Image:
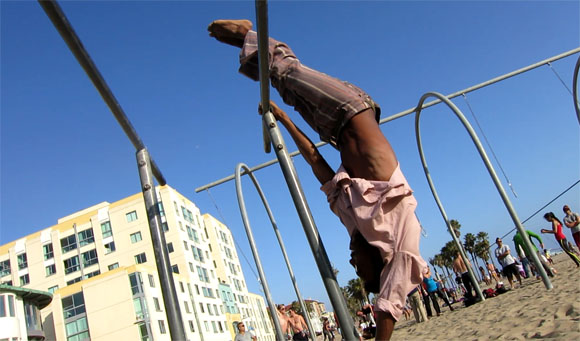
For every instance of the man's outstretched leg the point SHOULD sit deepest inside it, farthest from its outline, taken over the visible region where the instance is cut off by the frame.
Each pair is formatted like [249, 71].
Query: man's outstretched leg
[232, 32]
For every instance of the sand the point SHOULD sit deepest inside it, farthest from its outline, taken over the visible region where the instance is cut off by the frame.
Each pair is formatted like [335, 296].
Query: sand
[528, 312]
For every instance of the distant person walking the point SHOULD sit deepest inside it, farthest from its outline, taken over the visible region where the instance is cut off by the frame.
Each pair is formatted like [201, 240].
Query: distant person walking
[560, 237]
[243, 335]
[460, 268]
[507, 261]
[520, 245]
[491, 268]
[572, 221]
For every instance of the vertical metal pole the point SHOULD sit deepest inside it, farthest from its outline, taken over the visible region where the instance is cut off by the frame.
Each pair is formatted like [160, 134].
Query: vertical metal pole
[263, 36]
[271, 305]
[174, 320]
[320, 255]
[278, 236]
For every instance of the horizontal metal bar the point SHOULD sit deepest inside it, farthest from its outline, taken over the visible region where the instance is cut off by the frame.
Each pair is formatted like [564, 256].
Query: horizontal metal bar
[412, 110]
[61, 23]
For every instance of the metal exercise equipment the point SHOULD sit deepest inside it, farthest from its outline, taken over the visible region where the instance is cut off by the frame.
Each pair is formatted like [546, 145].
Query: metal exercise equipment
[321, 257]
[437, 101]
[575, 89]
[147, 167]
[246, 222]
[494, 177]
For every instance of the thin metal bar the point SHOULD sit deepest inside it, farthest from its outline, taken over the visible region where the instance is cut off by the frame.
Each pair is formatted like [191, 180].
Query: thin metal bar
[174, 320]
[575, 89]
[263, 64]
[61, 23]
[310, 230]
[278, 236]
[494, 177]
[453, 95]
[263, 281]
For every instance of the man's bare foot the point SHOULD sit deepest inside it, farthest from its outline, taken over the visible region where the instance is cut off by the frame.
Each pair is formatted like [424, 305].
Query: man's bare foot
[231, 32]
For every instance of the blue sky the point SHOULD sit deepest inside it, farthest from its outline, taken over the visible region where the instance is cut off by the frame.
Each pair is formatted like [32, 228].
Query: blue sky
[62, 150]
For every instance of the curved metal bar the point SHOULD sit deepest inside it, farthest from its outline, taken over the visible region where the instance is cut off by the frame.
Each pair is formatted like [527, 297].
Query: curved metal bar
[575, 89]
[278, 236]
[271, 305]
[493, 175]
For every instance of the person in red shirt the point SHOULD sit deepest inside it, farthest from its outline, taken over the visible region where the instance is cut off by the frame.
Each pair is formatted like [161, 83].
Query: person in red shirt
[560, 237]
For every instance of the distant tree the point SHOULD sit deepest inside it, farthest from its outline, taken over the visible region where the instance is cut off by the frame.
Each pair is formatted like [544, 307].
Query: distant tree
[469, 244]
[455, 225]
[482, 246]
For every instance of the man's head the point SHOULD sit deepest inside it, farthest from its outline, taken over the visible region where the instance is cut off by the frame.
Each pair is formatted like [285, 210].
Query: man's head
[498, 241]
[292, 312]
[367, 262]
[566, 209]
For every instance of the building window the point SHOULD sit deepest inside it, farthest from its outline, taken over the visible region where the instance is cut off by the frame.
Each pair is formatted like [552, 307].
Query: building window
[214, 327]
[181, 287]
[156, 304]
[50, 270]
[77, 329]
[151, 281]
[144, 332]
[86, 237]
[53, 289]
[106, 229]
[187, 215]
[165, 227]
[48, 251]
[206, 326]
[22, 261]
[201, 308]
[10, 311]
[170, 248]
[220, 327]
[92, 274]
[73, 305]
[136, 282]
[162, 327]
[185, 245]
[191, 328]
[71, 265]
[90, 257]
[24, 279]
[73, 281]
[110, 247]
[68, 243]
[140, 258]
[209, 309]
[140, 308]
[136, 237]
[113, 266]
[175, 269]
[186, 307]
[5, 268]
[131, 216]
[161, 209]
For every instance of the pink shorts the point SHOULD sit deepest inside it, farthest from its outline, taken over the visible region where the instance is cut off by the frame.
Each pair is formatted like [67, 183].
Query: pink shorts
[384, 213]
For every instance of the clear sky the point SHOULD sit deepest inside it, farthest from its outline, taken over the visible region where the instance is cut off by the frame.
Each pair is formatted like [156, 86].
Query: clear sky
[62, 150]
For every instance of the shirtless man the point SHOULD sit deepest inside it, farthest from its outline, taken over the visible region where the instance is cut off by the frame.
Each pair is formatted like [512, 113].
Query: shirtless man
[492, 272]
[460, 268]
[298, 325]
[368, 192]
[284, 319]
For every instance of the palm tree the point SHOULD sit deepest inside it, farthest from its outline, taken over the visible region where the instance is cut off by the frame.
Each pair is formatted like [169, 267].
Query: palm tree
[482, 247]
[469, 245]
[448, 253]
[455, 225]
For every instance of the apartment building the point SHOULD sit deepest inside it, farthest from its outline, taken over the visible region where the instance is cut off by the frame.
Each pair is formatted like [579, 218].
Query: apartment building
[99, 265]
[229, 271]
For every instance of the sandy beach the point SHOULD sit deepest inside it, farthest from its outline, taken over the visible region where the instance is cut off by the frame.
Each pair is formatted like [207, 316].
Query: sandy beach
[527, 312]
